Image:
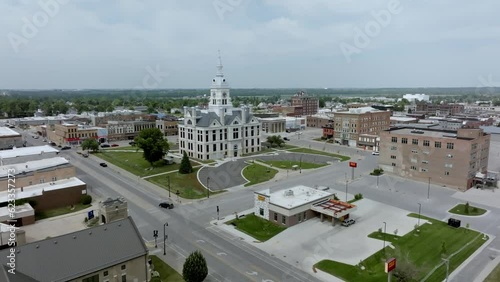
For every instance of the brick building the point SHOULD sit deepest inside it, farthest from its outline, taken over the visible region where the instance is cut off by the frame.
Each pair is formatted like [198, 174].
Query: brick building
[309, 105]
[439, 109]
[350, 125]
[318, 121]
[444, 157]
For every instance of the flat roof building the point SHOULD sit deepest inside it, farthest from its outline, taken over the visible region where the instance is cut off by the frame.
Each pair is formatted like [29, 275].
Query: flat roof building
[24, 154]
[446, 157]
[293, 205]
[10, 138]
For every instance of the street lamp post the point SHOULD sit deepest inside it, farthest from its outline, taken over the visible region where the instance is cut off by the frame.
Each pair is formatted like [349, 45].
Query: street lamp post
[164, 238]
[208, 187]
[300, 164]
[346, 187]
[385, 226]
[419, 208]
[168, 177]
[429, 189]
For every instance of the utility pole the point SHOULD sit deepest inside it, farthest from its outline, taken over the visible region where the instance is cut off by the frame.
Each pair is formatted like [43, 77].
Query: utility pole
[217, 212]
[346, 187]
[429, 189]
[168, 177]
[164, 238]
[385, 228]
[208, 187]
[155, 235]
[419, 207]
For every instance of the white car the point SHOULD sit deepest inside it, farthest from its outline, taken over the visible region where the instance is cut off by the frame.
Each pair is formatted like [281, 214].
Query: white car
[376, 153]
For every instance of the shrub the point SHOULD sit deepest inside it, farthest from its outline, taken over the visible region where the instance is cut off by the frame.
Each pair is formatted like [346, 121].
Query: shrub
[466, 208]
[195, 268]
[335, 197]
[86, 200]
[358, 196]
[380, 230]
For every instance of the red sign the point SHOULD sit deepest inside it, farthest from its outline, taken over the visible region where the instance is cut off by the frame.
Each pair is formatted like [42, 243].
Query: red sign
[353, 164]
[390, 265]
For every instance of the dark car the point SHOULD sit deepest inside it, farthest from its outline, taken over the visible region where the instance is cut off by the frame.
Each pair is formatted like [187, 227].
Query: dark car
[132, 143]
[286, 139]
[66, 148]
[105, 145]
[167, 205]
[115, 145]
[103, 164]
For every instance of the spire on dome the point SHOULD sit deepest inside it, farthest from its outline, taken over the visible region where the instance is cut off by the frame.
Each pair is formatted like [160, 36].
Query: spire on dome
[219, 66]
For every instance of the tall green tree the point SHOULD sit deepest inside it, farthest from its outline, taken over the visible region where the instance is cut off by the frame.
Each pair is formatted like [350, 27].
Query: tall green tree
[195, 268]
[275, 140]
[185, 166]
[90, 144]
[154, 145]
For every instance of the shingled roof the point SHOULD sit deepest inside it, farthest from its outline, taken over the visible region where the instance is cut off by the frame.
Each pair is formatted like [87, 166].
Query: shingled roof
[75, 254]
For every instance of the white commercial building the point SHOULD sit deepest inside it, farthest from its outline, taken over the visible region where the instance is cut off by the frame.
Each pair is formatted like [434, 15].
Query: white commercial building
[25, 154]
[10, 138]
[222, 130]
[297, 204]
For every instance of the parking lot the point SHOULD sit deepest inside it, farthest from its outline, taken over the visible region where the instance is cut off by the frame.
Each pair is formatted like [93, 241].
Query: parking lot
[309, 242]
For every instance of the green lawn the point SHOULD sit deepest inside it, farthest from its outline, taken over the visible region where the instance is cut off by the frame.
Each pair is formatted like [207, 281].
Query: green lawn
[263, 150]
[134, 162]
[473, 211]
[257, 227]
[166, 272]
[59, 211]
[380, 236]
[131, 148]
[494, 275]
[256, 173]
[311, 151]
[290, 164]
[288, 147]
[187, 184]
[424, 251]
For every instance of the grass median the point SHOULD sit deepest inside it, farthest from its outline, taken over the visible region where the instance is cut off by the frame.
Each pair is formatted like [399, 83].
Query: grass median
[166, 272]
[420, 252]
[135, 163]
[257, 227]
[256, 173]
[316, 152]
[187, 184]
[461, 209]
[290, 164]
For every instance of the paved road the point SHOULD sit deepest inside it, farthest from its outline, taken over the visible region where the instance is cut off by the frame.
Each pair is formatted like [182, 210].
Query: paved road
[231, 260]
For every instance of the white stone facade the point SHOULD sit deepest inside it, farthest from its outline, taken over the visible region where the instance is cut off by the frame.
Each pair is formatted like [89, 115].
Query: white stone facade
[222, 130]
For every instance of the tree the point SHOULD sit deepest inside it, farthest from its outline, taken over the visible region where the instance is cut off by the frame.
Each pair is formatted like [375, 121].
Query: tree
[466, 208]
[185, 166]
[195, 268]
[153, 144]
[275, 140]
[90, 144]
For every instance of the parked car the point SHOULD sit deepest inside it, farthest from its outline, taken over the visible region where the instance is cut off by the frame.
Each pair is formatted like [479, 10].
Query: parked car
[376, 153]
[52, 144]
[115, 145]
[66, 148]
[286, 139]
[85, 155]
[105, 145]
[167, 205]
[103, 164]
[348, 222]
[131, 143]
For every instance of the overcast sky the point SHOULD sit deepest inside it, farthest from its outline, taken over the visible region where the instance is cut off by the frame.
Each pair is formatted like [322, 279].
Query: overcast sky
[264, 43]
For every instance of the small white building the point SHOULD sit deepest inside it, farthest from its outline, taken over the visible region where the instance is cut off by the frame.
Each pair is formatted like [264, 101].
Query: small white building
[297, 204]
[416, 97]
[222, 130]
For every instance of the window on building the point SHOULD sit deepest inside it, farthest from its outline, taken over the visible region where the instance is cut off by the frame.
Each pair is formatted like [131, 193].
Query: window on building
[449, 156]
[305, 215]
[425, 162]
[393, 148]
[54, 179]
[214, 147]
[427, 143]
[275, 216]
[393, 157]
[261, 211]
[448, 165]
[394, 139]
[283, 219]
[423, 170]
[450, 146]
[105, 273]
[42, 180]
[404, 140]
[300, 217]
[437, 144]
[123, 267]
[393, 164]
[31, 183]
[124, 278]
[93, 278]
[414, 141]
[446, 173]
[414, 151]
[413, 167]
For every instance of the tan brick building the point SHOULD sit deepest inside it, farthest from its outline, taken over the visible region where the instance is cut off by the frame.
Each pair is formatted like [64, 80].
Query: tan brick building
[318, 121]
[73, 134]
[169, 126]
[450, 158]
[350, 125]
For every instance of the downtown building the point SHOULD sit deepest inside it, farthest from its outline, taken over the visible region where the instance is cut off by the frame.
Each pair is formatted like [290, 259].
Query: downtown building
[220, 131]
[305, 104]
[452, 158]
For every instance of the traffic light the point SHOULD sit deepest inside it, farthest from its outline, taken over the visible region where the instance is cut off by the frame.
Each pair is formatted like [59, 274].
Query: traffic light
[217, 208]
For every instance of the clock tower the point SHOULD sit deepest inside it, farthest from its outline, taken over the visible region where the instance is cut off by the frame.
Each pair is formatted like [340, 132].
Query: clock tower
[219, 91]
